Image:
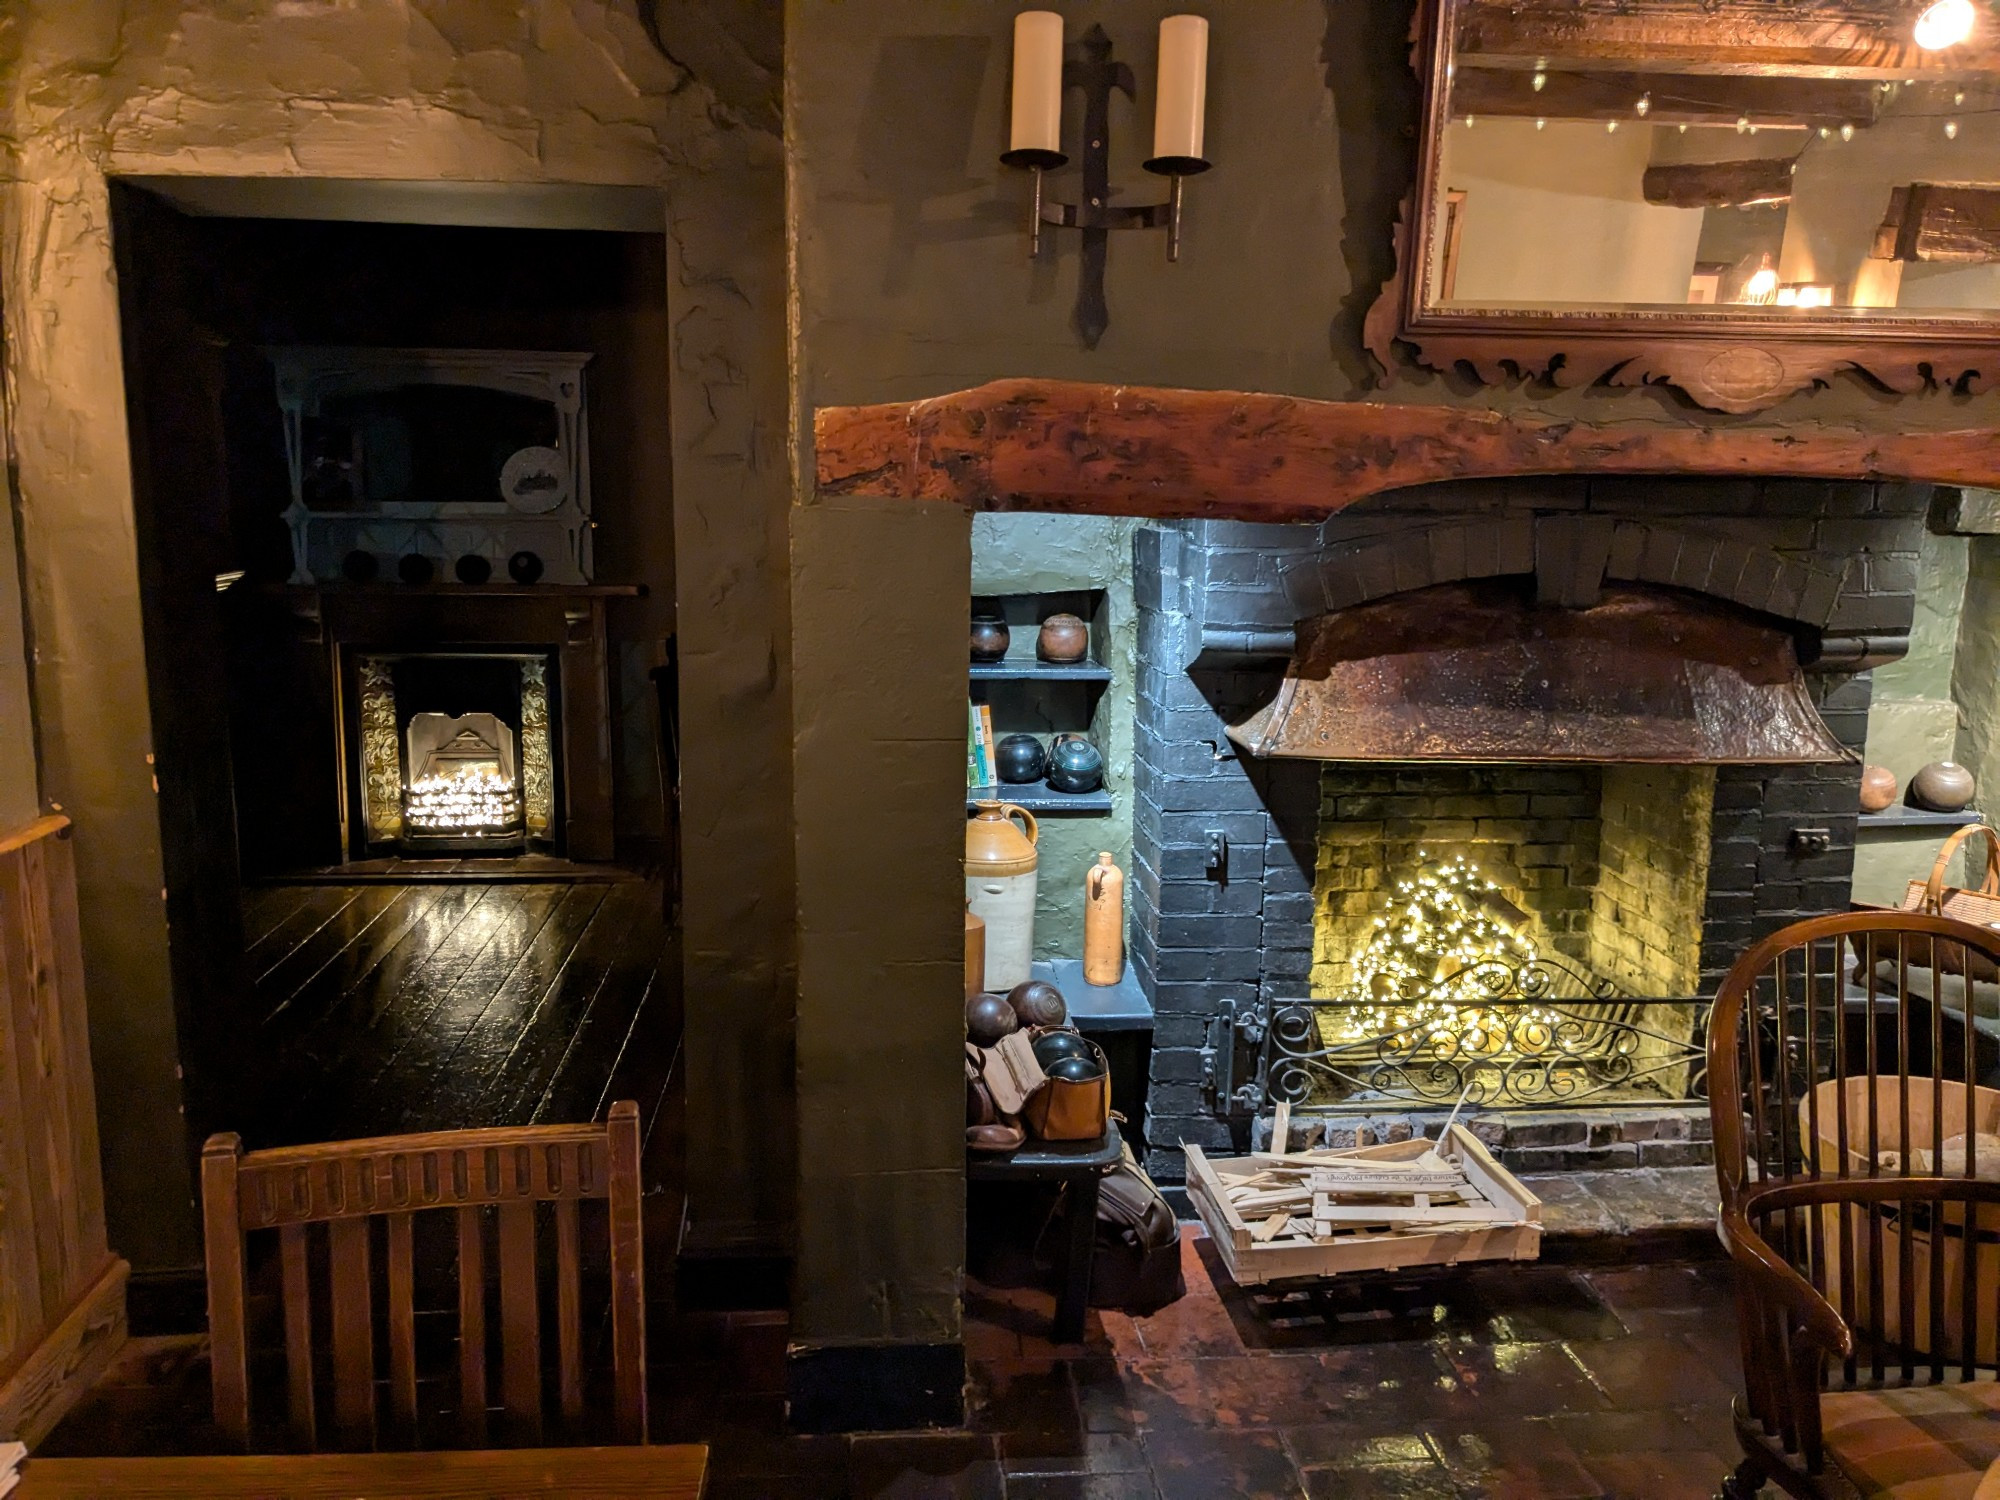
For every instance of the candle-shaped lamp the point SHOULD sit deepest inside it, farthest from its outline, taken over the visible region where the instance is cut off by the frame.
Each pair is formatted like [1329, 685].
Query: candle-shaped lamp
[1034, 138]
[1178, 116]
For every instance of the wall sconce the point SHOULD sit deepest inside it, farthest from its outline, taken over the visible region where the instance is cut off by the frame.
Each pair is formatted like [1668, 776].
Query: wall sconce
[1035, 137]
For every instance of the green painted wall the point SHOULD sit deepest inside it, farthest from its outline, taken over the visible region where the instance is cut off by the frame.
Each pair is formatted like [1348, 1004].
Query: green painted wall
[1913, 718]
[1051, 554]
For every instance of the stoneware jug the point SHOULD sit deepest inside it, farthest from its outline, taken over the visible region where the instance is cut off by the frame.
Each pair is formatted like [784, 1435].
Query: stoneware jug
[1104, 922]
[1000, 878]
[1075, 765]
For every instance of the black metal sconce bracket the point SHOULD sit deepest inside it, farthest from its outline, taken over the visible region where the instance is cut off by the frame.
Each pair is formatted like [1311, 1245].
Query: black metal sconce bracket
[1098, 76]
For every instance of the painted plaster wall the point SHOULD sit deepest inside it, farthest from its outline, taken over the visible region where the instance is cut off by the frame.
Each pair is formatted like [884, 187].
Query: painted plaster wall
[1050, 554]
[532, 92]
[1913, 718]
[1557, 216]
[1976, 670]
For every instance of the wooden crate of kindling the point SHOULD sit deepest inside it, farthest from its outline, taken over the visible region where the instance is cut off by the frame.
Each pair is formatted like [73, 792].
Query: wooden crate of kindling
[1515, 1234]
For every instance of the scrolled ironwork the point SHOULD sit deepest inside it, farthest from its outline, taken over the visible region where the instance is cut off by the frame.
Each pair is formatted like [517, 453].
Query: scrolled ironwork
[1538, 1033]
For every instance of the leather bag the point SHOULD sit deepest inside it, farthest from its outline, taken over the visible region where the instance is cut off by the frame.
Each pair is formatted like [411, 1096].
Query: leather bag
[1135, 1264]
[1065, 1110]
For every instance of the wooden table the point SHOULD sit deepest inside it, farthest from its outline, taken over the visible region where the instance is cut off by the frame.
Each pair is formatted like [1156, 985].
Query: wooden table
[661, 1473]
[1081, 1166]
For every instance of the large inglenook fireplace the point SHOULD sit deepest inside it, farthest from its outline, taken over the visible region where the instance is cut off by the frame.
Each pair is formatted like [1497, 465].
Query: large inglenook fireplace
[1472, 792]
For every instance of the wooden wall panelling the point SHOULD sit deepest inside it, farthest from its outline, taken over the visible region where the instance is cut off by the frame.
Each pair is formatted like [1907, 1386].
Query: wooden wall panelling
[62, 1292]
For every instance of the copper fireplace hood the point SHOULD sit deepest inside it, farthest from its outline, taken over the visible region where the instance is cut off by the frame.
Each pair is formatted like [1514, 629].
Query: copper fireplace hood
[1479, 672]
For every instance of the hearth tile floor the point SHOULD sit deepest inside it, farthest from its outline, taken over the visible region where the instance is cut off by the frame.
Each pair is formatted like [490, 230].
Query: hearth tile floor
[385, 1008]
[1507, 1382]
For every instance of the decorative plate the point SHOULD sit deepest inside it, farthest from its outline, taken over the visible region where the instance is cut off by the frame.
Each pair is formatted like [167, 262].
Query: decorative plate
[535, 481]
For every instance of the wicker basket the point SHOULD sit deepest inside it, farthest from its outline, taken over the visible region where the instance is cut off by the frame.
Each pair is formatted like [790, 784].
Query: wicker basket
[1856, 1243]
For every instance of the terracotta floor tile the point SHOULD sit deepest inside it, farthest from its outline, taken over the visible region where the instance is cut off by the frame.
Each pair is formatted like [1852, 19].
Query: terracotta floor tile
[1659, 1476]
[1338, 1447]
[1426, 1481]
[1521, 1460]
[1082, 1487]
[928, 1466]
[1078, 1453]
[1195, 1465]
[1650, 1371]
[1591, 1434]
[1535, 1304]
[1280, 1390]
[1515, 1380]
[1032, 1398]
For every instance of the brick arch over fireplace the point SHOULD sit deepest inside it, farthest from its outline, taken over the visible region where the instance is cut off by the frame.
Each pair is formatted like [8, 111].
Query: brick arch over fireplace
[1572, 557]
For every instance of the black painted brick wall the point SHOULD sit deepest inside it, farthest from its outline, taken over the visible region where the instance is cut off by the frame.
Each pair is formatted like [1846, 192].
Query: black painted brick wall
[1839, 554]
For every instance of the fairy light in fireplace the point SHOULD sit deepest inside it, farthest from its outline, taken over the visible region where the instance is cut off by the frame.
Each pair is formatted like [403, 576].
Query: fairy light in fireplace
[1451, 942]
[467, 800]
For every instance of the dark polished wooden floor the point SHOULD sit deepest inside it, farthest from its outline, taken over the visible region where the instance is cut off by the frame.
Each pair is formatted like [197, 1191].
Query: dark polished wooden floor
[381, 1008]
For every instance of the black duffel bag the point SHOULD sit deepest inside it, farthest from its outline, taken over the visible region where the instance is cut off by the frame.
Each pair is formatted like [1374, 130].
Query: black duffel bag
[1136, 1264]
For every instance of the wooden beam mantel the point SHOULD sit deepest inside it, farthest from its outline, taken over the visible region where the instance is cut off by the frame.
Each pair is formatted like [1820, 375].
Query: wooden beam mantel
[1051, 445]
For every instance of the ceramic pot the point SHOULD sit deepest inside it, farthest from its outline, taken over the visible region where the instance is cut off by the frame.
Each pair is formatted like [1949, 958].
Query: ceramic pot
[1000, 878]
[472, 568]
[990, 638]
[988, 1018]
[1064, 638]
[1019, 760]
[1104, 922]
[1942, 786]
[1878, 788]
[1038, 1003]
[414, 567]
[524, 567]
[360, 567]
[1075, 765]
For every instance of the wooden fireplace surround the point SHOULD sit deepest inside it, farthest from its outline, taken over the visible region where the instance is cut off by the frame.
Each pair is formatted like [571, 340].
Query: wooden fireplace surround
[1088, 449]
[566, 621]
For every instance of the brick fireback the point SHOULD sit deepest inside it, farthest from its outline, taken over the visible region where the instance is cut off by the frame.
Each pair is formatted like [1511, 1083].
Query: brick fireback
[1217, 603]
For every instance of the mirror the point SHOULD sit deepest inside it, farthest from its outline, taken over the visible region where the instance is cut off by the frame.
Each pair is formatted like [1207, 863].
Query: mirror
[1790, 168]
[1679, 157]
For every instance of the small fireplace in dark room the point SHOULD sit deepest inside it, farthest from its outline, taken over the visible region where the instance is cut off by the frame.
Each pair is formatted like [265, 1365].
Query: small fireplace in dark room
[453, 754]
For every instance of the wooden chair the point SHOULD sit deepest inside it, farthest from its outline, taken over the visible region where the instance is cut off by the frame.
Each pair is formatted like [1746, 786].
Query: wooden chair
[471, 1175]
[1867, 1255]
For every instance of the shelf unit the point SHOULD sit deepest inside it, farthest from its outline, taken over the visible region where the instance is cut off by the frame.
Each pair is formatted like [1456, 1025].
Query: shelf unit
[1899, 818]
[1043, 698]
[1043, 800]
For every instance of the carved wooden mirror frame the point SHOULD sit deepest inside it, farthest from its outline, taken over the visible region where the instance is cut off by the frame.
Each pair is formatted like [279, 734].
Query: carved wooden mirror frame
[1724, 359]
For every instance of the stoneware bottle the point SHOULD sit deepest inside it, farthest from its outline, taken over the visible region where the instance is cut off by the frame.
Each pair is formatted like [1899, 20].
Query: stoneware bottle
[975, 954]
[1000, 878]
[1104, 923]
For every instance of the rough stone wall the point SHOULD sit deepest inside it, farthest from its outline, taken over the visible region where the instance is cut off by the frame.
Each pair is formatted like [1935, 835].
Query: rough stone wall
[524, 93]
[1645, 930]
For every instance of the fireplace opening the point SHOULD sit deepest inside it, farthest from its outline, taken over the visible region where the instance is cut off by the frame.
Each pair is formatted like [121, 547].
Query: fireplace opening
[454, 753]
[1518, 934]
